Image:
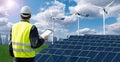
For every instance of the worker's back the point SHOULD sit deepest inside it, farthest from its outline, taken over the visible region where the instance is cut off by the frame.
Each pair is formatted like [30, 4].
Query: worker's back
[21, 41]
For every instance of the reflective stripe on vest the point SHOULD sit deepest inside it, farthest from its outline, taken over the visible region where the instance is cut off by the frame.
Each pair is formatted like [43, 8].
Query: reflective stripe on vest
[21, 50]
[20, 40]
[20, 44]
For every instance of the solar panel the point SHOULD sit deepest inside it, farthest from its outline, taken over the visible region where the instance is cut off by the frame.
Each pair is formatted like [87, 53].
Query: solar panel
[38, 56]
[86, 43]
[118, 45]
[83, 59]
[70, 47]
[59, 51]
[106, 45]
[109, 57]
[113, 45]
[67, 52]
[84, 53]
[75, 53]
[93, 48]
[99, 44]
[44, 51]
[87, 48]
[100, 48]
[116, 50]
[62, 59]
[77, 47]
[109, 49]
[92, 44]
[64, 46]
[52, 51]
[100, 56]
[53, 58]
[43, 58]
[57, 46]
[67, 42]
[80, 43]
[72, 59]
[92, 54]
[117, 58]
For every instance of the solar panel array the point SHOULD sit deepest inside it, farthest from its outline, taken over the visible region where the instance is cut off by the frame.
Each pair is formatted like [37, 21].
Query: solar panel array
[87, 48]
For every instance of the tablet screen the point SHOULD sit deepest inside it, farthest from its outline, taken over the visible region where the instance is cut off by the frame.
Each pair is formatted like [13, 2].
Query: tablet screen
[47, 32]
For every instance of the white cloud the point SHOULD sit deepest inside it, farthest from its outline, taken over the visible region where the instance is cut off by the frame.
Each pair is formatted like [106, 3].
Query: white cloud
[47, 3]
[114, 28]
[3, 21]
[8, 6]
[85, 31]
[5, 25]
[95, 2]
[85, 9]
[44, 18]
[88, 7]
[3, 12]
[114, 11]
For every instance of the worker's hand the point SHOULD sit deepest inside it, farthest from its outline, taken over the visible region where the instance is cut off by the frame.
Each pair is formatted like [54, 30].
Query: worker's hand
[45, 37]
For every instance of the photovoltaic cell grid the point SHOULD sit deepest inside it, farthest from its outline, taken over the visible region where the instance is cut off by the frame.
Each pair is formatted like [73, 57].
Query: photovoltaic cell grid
[87, 48]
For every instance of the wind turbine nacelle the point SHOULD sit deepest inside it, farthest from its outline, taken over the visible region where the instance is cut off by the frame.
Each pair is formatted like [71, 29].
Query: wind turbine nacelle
[103, 10]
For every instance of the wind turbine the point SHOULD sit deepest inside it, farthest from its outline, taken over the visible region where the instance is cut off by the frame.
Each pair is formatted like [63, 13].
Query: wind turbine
[104, 12]
[53, 25]
[53, 22]
[79, 15]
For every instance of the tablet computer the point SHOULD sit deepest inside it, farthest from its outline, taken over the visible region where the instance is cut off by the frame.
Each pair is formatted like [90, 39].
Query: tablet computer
[46, 32]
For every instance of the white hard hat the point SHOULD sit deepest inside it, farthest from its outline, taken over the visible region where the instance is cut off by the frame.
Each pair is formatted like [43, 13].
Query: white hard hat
[25, 10]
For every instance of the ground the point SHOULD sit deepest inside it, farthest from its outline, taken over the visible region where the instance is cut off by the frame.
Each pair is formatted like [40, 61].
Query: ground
[4, 53]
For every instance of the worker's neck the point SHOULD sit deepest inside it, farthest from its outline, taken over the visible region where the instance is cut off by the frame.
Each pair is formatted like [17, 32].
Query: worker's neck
[25, 20]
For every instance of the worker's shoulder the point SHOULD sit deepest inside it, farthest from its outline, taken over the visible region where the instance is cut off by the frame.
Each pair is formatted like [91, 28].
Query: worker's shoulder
[23, 23]
[34, 27]
[16, 24]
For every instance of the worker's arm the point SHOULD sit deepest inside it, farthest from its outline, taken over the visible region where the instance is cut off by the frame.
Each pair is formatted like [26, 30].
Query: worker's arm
[10, 35]
[36, 41]
[10, 44]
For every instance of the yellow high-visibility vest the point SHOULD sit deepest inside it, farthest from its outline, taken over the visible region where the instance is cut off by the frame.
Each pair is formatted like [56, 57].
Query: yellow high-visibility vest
[21, 41]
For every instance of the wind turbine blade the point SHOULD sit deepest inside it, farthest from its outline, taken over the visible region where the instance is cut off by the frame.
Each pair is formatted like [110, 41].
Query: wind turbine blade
[82, 15]
[110, 3]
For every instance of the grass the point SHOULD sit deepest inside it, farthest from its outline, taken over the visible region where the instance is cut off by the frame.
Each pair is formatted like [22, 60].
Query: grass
[41, 47]
[4, 52]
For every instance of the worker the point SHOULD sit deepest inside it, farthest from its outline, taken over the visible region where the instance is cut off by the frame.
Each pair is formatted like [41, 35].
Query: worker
[24, 38]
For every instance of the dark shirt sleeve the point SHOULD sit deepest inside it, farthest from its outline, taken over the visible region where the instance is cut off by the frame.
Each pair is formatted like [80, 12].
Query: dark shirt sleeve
[35, 40]
[10, 45]
[10, 34]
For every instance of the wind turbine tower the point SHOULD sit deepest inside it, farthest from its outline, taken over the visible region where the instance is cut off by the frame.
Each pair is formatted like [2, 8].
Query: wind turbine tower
[104, 13]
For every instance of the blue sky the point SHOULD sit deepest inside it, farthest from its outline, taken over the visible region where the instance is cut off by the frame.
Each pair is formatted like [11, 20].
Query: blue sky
[42, 10]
